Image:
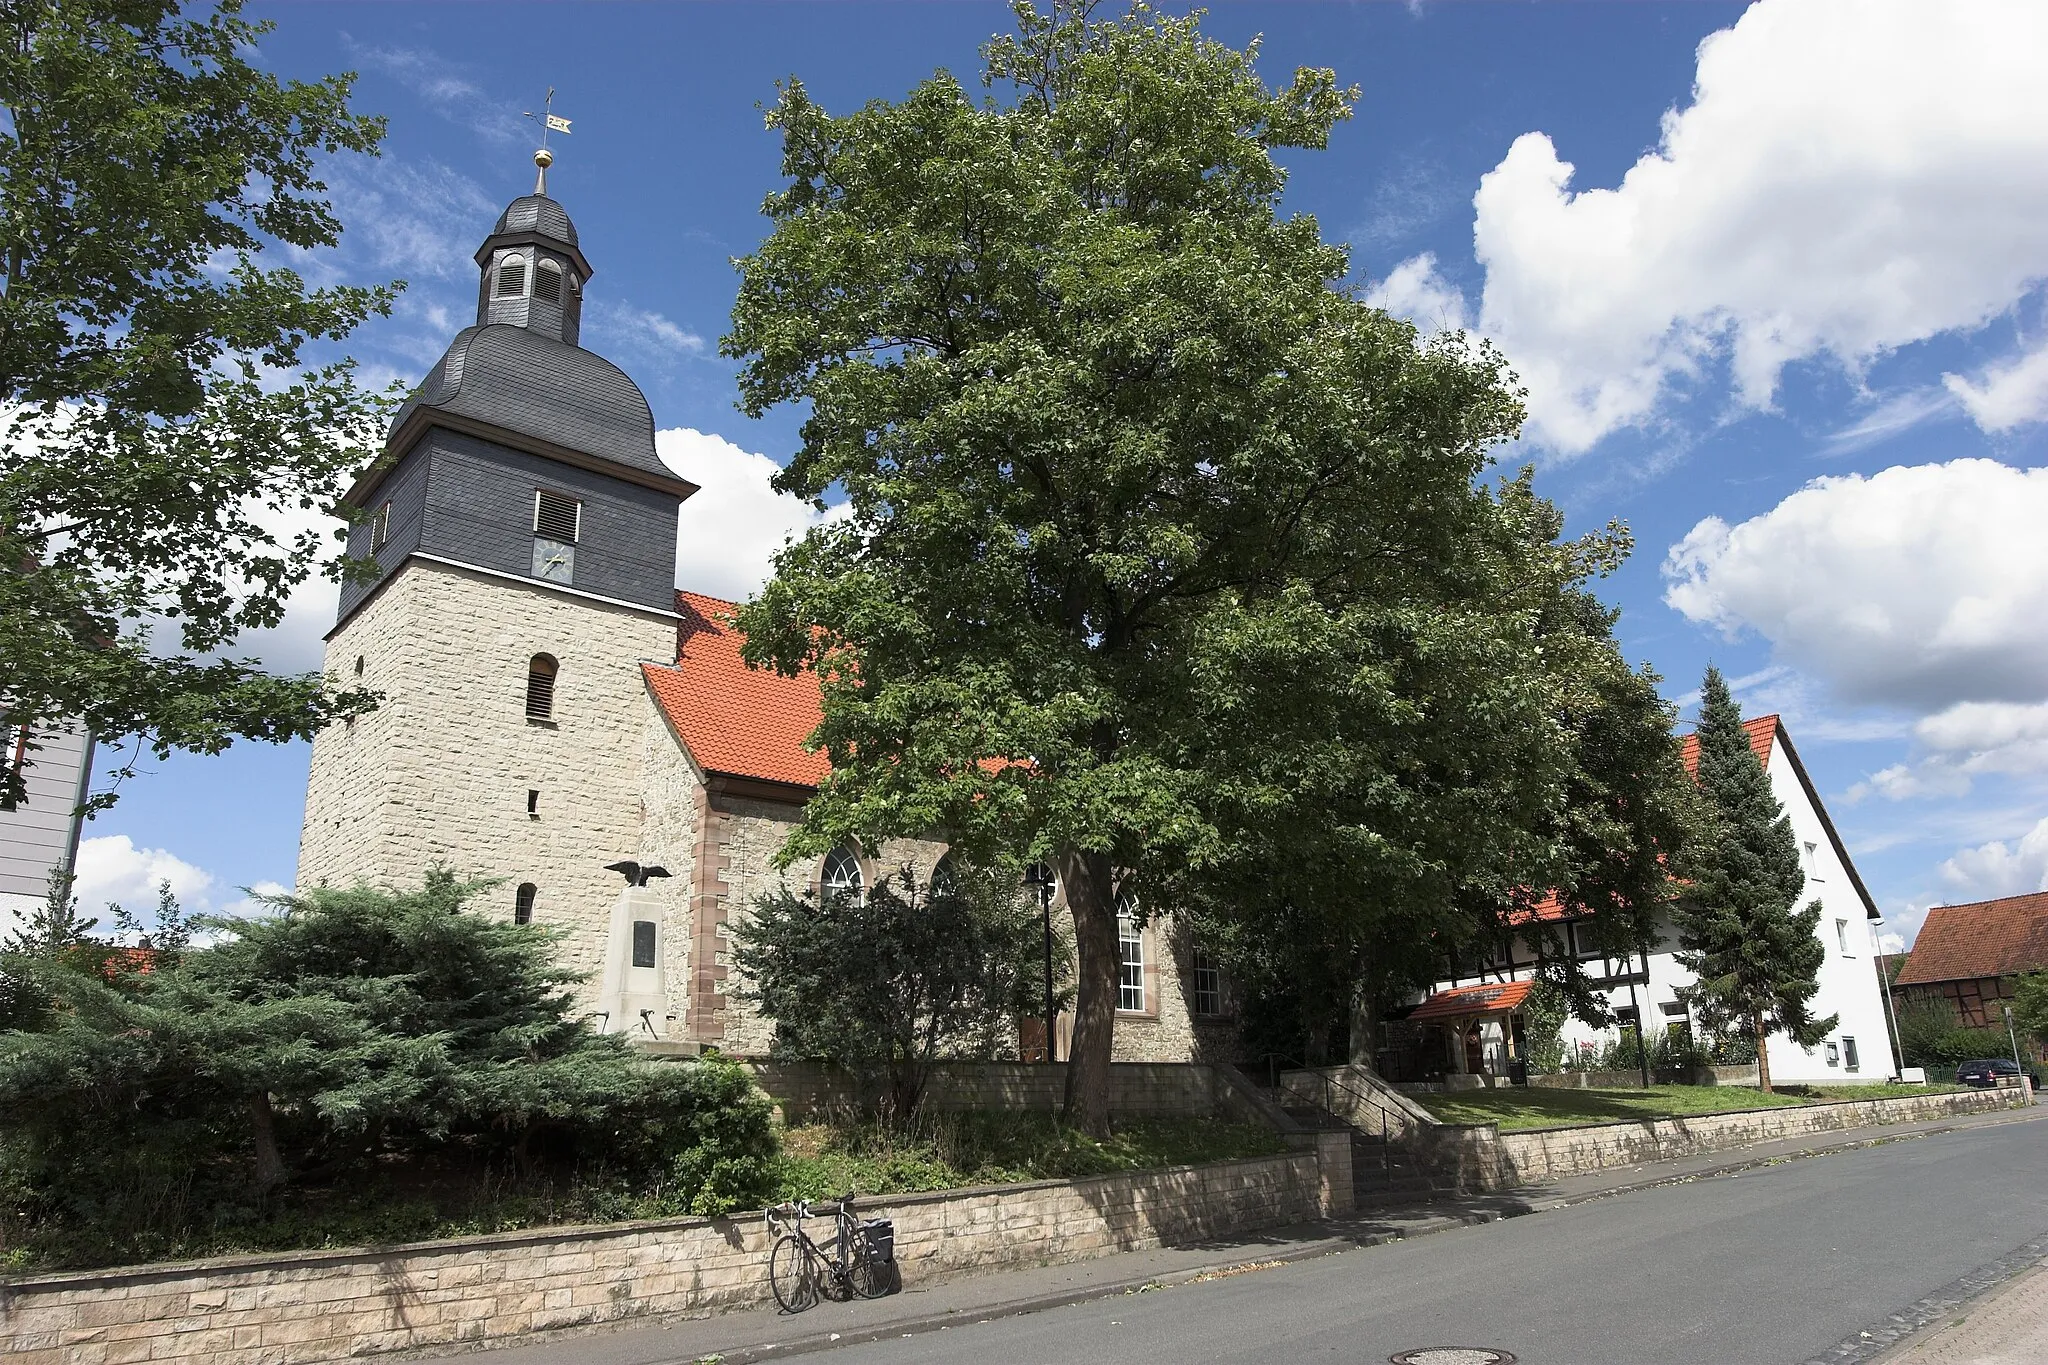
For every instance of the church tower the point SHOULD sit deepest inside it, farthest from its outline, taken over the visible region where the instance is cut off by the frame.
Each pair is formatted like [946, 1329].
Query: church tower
[523, 536]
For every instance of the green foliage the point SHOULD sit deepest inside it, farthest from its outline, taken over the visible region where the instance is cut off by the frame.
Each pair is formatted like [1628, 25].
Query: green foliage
[1757, 958]
[1167, 558]
[888, 982]
[347, 1031]
[2030, 1005]
[157, 440]
[1930, 1036]
[952, 1151]
[1543, 1017]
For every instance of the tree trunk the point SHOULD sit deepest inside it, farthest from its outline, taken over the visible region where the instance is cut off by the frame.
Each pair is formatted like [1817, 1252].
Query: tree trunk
[263, 1125]
[1088, 880]
[1763, 1056]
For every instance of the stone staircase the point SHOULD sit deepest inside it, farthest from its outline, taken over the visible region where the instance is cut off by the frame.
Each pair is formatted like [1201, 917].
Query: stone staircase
[1382, 1172]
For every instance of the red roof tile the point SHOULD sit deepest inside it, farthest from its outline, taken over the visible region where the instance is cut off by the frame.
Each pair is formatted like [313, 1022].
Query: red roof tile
[734, 719]
[1984, 938]
[1466, 1001]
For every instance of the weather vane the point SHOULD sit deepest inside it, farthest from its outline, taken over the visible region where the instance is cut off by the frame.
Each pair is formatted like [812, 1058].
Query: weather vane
[550, 122]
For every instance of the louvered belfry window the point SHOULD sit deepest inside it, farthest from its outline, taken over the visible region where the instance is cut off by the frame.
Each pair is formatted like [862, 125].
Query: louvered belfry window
[557, 516]
[540, 687]
[547, 282]
[512, 277]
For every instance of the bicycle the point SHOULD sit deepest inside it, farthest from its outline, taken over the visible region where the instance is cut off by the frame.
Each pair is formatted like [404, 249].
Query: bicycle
[862, 1261]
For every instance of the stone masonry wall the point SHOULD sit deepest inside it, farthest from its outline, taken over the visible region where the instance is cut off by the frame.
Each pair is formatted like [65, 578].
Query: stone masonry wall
[1482, 1157]
[440, 773]
[324, 1306]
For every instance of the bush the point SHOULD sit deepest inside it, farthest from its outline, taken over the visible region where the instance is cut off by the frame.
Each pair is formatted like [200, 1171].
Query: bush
[1930, 1036]
[348, 1038]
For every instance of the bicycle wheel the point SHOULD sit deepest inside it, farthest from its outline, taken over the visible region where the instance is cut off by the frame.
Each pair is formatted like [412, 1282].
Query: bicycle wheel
[872, 1278]
[790, 1275]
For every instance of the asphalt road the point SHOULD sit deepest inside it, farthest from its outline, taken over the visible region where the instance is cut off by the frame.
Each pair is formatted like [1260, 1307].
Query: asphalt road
[1771, 1267]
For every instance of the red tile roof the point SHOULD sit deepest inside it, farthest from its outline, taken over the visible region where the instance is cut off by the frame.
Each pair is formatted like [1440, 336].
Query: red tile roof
[1984, 938]
[1761, 730]
[1466, 1001]
[733, 719]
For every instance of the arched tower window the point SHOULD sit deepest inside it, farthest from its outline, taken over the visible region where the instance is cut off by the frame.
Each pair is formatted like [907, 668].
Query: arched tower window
[522, 903]
[841, 874]
[547, 281]
[512, 277]
[540, 687]
[945, 879]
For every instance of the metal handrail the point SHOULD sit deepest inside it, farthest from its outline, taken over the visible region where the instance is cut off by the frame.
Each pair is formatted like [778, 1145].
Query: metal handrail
[1399, 1120]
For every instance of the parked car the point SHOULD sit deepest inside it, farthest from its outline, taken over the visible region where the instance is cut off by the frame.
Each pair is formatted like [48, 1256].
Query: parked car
[1986, 1072]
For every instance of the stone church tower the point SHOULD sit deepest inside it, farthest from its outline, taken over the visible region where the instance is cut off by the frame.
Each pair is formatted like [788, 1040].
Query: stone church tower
[523, 533]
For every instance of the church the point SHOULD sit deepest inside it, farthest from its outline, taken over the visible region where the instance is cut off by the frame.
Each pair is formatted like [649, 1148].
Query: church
[554, 705]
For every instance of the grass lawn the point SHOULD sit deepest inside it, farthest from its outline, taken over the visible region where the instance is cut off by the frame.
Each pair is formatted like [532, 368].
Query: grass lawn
[949, 1151]
[1540, 1107]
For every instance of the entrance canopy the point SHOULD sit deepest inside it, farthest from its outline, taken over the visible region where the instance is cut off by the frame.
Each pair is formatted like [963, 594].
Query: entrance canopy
[1468, 1002]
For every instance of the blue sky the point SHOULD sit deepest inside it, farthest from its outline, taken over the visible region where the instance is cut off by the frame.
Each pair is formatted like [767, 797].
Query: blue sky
[1773, 274]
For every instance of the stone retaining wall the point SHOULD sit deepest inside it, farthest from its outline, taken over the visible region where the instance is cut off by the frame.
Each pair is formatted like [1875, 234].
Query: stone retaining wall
[1481, 1157]
[321, 1306]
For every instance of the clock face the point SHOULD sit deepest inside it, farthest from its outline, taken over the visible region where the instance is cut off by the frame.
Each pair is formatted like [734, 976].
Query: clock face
[553, 560]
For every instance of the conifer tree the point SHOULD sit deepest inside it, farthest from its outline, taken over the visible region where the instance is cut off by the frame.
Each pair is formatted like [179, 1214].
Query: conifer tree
[1757, 958]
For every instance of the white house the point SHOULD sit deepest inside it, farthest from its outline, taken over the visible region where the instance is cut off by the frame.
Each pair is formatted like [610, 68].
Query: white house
[1471, 1024]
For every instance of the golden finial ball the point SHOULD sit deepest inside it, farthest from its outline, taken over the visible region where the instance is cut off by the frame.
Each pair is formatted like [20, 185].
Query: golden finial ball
[543, 158]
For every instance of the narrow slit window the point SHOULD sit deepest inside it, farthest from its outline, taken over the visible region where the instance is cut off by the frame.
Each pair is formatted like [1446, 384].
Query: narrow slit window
[541, 671]
[380, 528]
[522, 903]
[557, 516]
[511, 277]
[547, 282]
[13, 762]
[1850, 1061]
[533, 802]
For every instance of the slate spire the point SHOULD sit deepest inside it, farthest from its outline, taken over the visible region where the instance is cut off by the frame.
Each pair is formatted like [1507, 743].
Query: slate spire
[533, 272]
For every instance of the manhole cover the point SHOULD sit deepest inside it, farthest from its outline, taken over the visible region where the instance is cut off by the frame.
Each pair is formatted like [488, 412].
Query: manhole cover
[1452, 1355]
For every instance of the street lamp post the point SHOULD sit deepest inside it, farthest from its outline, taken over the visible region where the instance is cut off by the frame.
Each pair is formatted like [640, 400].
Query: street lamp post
[2026, 1081]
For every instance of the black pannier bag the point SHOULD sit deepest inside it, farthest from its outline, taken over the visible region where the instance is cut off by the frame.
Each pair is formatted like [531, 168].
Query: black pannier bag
[881, 1238]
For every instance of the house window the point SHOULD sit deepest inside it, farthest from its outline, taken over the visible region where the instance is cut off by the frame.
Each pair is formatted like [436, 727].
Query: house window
[1208, 983]
[1842, 935]
[643, 943]
[380, 528]
[1130, 975]
[547, 282]
[13, 762]
[841, 876]
[511, 277]
[1850, 1061]
[522, 903]
[1834, 1053]
[1812, 851]
[533, 803]
[557, 516]
[540, 686]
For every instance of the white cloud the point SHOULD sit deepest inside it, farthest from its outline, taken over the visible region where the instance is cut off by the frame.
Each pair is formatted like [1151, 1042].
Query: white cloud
[2001, 869]
[1850, 176]
[2010, 395]
[621, 329]
[1893, 416]
[1416, 291]
[733, 526]
[1891, 943]
[1921, 587]
[112, 869]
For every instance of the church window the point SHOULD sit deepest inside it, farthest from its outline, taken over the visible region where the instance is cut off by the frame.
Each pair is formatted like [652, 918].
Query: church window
[1130, 975]
[842, 873]
[511, 277]
[13, 762]
[380, 528]
[540, 687]
[522, 903]
[945, 881]
[1208, 976]
[557, 516]
[547, 282]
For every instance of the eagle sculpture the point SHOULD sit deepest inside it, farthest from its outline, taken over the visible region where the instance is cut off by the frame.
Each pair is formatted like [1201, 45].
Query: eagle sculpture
[635, 874]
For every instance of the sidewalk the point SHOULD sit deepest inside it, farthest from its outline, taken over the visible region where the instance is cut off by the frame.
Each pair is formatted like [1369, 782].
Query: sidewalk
[765, 1334]
[2009, 1326]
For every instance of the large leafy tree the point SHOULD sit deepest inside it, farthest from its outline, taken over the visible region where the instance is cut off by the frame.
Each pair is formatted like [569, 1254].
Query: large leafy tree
[1112, 430]
[158, 436]
[1757, 957]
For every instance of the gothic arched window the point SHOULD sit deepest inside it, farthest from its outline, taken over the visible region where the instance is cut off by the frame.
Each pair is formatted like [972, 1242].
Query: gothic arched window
[945, 879]
[547, 282]
[511, 277]
[522, 903]
[540, 687]
[841, 875]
